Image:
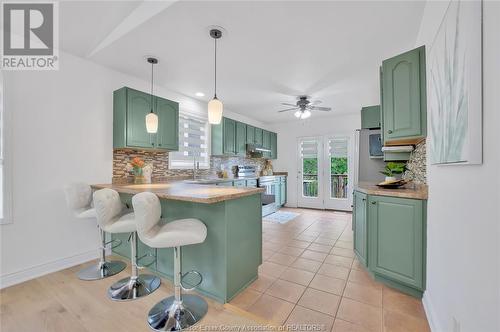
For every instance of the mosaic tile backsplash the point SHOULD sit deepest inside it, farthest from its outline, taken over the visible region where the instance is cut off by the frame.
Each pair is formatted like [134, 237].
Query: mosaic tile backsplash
[159, 160]
[416, 169]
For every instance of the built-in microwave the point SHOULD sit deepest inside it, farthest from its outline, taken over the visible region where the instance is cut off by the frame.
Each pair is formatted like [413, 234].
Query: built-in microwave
[375, 145]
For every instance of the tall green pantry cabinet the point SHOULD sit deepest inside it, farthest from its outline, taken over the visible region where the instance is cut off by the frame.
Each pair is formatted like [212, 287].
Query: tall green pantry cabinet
[130, 108]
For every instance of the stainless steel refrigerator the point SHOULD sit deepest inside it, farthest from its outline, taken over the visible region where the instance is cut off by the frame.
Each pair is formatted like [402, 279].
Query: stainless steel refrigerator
[368, 157]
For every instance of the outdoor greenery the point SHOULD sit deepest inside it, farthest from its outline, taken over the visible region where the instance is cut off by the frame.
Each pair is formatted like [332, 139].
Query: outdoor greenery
[337, 166]
[393, 168]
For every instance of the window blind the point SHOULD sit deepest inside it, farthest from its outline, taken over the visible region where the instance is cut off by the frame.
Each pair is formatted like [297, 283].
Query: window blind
[309, 149]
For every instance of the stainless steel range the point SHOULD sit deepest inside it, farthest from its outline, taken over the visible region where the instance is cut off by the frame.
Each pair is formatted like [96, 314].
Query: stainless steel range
[267, 182]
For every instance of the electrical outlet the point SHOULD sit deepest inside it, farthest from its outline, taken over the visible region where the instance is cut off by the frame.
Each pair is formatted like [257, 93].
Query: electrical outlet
[456, 325]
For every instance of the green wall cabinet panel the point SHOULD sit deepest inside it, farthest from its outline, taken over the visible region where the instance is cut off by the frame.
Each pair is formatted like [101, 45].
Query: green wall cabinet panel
[266, 143]
[404, 96]
[274, 146]
[396, 229]
[130, 108]
[250, 134]
[168, 124]
[360, 225]
[229, 141]
[370, 117]
[241, 139]
[258, 136]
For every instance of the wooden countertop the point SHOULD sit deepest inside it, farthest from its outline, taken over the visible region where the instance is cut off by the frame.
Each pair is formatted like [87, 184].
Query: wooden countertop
[181, 191]
[414, 191]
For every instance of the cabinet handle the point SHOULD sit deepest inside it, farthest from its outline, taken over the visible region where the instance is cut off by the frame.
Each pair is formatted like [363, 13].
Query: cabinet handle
[374, 203]
[389, 131]
[364, 199]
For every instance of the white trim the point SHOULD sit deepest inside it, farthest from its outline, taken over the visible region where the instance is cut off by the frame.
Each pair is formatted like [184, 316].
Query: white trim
[46, 268]
[431, 315]
[7, 157]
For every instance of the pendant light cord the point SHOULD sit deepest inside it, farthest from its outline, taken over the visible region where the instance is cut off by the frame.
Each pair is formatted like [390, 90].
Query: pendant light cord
[152, 72]
[215, 69]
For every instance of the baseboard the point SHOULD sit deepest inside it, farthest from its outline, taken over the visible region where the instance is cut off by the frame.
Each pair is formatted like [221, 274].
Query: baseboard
[43, 269]
[430, 313]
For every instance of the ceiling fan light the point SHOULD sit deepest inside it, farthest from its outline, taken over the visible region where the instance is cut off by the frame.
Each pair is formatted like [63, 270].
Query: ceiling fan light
[215, 109]
[152, 123]
[305, 114]
[298, 114]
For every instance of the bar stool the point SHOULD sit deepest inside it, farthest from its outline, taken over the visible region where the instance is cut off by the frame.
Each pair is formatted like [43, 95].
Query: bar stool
[177, 312]
[79, 198]
[109, 211]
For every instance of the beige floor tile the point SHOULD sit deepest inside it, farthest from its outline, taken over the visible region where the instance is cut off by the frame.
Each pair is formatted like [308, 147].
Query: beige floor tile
[328, 284]
[344, 244]
[367, 316]
[399, 322]
[271, 269]
[310, 318]
[324, 302]
[362, 277]
[286, 290]
[344, 326]
[297, 276]
[319, 248]
[271, 246]
[397, 301]
[281, 259]
[262, 283]
[246, 298]
[342, 252]
[306, 264]
[365, 294]
[339, 260]
[304, 237]
[266, 254]
[335, 271]
[314, 255]
[272, 309]
[299, 244]
[291, 251]
[325, 241]
[356, 265]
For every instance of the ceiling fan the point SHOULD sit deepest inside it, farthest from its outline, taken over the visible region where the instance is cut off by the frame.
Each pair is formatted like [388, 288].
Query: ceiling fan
[304, 106]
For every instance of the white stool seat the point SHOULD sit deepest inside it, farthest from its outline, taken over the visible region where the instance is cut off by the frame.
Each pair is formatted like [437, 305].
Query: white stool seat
[85, 213]
[123, 224]
[177, 233]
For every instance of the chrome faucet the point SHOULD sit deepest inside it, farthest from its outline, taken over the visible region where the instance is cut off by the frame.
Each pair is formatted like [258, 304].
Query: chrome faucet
[196, 168]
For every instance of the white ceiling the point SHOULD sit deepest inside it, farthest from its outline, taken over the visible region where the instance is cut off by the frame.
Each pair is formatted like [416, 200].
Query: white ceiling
[272, 52]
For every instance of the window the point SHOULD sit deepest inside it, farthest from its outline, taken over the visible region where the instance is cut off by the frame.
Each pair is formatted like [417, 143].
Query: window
[193, 142]
[4, 178]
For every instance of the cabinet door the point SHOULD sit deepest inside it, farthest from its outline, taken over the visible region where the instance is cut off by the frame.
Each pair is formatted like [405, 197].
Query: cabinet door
[370, 117]
[283, 194]
[250, 134]
[241, 139]
[258, 136]
[229, 140]
[266, 142]
[396, 239]
[138, 106]
[277, 193]
[274, 146]
[240, 183]
[168, 124]
[360, 227]
[404, 97]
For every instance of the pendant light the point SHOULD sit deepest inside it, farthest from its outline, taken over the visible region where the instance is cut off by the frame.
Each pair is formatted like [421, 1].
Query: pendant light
[152, 118]
[215, 107]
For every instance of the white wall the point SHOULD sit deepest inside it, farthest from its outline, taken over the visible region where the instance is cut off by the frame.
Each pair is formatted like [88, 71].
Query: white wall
[288, 134]
[463, 227]
[61, 133]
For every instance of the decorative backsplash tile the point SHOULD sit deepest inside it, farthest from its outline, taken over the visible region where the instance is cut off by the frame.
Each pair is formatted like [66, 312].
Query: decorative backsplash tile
[159, 160]
[416, 169]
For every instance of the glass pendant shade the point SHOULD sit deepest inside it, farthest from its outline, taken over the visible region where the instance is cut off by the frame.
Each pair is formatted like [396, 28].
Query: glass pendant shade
[215, 109]
[298, 114]
[152, 123]
[306, 114]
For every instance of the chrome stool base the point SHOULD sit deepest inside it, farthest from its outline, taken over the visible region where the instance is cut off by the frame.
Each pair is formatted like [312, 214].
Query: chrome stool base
[132, 288]
[101, 271]
[172, 315]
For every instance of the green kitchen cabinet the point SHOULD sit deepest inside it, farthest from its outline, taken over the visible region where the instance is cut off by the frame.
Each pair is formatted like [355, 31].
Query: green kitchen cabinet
[258, 136]
[277, 192]
[266, 143]
[403, 89]
[274, 146]
[168, 124]
[360, 226]
[250, 134]
[130, 108]
[229, 142]
[282, 201]
[396, 228]
[240, 183]
[241, 139]
[370, 117]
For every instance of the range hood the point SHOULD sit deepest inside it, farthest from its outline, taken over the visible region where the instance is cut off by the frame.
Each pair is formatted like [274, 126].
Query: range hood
[256, 150]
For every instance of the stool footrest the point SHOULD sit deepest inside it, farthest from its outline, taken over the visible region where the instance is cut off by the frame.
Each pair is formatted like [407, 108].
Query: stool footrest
[187, 289]
[145, 256]
[117, 242]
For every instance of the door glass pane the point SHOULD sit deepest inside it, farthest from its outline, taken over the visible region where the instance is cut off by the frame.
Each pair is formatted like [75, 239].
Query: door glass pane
[338, 167]
[309, 156]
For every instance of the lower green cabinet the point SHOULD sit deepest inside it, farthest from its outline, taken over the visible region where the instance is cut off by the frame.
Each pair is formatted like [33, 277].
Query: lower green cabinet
[389, 239]
[359, 220]
[283, 191]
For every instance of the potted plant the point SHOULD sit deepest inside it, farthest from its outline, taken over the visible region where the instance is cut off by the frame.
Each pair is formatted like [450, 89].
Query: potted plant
[391, 169]
[141, 170]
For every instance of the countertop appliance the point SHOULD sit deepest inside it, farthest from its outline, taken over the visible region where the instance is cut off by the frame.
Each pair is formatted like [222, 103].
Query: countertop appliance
[246, 171]
[267, 182]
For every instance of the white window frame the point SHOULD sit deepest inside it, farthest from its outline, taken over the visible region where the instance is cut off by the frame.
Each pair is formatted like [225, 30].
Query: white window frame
[6, 125]
[208, 142]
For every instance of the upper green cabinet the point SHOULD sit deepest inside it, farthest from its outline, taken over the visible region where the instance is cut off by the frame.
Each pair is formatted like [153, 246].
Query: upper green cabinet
[403, 90]
[370, 117]
[130, 108]
[360, 226]
[231, 137]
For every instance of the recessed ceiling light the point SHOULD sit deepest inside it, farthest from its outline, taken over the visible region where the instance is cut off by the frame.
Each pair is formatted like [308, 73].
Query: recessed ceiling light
[200, 94]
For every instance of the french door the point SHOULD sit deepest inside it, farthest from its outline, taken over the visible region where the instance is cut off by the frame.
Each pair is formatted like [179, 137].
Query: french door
[325, 172]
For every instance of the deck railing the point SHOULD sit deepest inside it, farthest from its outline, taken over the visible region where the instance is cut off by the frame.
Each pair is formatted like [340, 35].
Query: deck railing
[338, 185]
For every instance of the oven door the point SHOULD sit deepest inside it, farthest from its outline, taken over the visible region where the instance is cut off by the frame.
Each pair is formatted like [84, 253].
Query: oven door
[268, 198]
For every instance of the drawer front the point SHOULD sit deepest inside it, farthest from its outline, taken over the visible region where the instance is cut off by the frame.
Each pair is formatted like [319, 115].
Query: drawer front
[240, 183]
[252, 183]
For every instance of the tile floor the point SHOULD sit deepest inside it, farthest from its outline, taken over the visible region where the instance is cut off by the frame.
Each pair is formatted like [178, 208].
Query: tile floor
[309, 275]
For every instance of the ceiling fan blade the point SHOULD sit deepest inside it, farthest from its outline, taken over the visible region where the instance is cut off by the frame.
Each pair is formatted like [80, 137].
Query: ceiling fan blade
[319, 108]
[289, 109]
[287, 104]
[316, 102]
